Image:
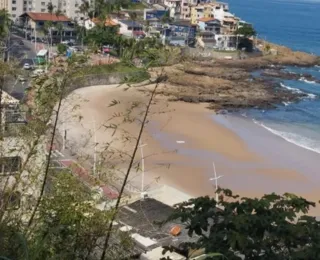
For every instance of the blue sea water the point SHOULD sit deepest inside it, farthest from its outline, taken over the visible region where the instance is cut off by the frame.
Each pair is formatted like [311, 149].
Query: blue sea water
[296, 24]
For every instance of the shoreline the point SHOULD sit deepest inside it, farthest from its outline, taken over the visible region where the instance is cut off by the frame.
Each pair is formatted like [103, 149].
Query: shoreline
[247, 169]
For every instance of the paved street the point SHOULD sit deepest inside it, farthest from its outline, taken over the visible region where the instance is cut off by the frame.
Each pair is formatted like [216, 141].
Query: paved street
[24, 52]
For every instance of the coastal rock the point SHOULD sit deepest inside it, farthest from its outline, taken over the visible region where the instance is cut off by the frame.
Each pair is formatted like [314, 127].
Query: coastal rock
[225, 89]
[288, 75]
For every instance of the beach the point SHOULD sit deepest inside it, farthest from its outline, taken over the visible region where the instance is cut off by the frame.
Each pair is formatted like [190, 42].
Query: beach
[181, 141]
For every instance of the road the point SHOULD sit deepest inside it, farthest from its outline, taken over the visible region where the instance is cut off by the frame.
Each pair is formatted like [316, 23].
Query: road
[23, 51]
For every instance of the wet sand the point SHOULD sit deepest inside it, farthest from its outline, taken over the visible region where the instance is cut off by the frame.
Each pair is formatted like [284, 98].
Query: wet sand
[183, 140]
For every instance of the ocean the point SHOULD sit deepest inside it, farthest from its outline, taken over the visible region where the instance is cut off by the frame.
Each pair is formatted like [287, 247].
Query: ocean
[293, 23]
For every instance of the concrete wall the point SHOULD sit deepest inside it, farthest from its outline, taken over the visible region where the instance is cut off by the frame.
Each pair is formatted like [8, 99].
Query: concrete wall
[208, 54]
[103, 79]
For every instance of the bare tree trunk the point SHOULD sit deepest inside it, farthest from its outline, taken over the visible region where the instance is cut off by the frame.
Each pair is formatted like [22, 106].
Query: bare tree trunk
[49, 156]
[106, 242]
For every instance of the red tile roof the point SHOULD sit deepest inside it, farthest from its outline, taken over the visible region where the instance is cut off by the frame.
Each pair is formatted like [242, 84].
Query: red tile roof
[48, 17]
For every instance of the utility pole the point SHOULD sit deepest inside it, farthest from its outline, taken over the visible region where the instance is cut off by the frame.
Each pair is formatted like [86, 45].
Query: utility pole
[216, 180]
[95, 148]
[142, 169]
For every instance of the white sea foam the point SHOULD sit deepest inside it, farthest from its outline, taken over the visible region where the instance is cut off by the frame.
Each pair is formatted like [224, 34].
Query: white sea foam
[293, 138]
[312, 96]
[286, 103]
[296, 90]
[307, 81]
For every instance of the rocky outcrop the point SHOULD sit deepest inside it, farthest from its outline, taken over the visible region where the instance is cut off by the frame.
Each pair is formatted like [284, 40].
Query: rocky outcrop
[276, 73]
[226, 89]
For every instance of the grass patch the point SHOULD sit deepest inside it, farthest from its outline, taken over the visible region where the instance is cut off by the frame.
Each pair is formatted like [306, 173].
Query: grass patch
[131, 74]
[107, 68]
[136, 6]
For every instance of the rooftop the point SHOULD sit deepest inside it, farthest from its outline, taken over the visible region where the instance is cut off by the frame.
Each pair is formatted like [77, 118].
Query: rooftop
[8, 99]
[130, 23]
[108, 22]
[46, 17]
[144, 217]
[206, 19]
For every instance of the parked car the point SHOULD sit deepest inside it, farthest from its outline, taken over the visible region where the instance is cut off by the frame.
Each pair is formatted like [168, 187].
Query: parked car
[27, 66]
[65, 42]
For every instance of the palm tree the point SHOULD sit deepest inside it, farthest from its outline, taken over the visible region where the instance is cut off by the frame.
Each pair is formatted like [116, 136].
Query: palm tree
[50, 8]
[85, 8]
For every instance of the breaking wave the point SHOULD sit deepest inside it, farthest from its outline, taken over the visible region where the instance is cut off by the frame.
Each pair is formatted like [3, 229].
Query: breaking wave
[293, 138]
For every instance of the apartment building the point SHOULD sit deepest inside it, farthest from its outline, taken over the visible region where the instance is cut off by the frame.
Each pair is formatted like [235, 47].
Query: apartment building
[18, 7]
[197, 12]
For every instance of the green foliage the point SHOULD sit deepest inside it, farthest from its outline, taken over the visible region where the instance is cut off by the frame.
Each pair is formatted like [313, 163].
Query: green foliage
[4, 23]
[101, 35]
[70, 224]
[246, 30]
[273, 227]
[62, 48]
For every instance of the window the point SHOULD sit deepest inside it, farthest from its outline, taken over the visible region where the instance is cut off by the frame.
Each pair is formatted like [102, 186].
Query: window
[13, 15]
[43, 3]
[43, 10]
[30, 2]
[14, 2]
[24, 9]
[10, 165]
[14, 9]
[24, 2]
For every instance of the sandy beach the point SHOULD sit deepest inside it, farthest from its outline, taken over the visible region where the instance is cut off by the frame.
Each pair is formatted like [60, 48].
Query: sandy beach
[182, 141]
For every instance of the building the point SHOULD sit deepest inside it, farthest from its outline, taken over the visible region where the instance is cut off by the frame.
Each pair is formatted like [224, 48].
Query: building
[229, 23]
[180, 33]
[90, 23]
[141, 219]
[130, 28]
[34, 23]
[18, 7]
[174, 7]
[20, 167]
[210, 24]
[197, 12]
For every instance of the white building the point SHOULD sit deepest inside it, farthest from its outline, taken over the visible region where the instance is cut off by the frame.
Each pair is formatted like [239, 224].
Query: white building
[18, 7]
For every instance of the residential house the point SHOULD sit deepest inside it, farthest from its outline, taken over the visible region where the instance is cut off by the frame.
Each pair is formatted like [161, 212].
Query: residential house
[226, 41]
[219, 9]
[180, 33]
[35, 24]
[209, 24]
[208, 38]
[229, 23]
[130, 28]
[197, 12]
[174, 7]
[154, 18]
[90, 23]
